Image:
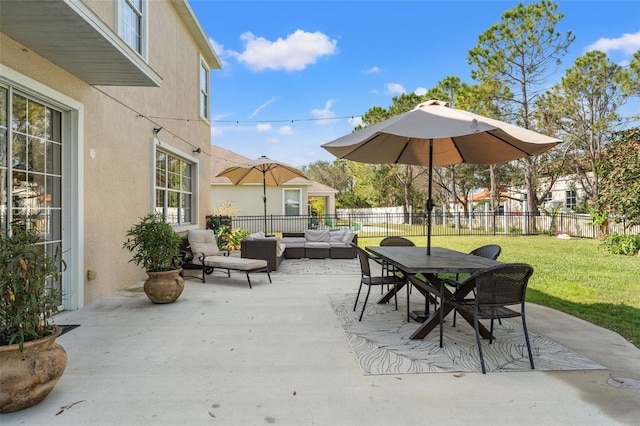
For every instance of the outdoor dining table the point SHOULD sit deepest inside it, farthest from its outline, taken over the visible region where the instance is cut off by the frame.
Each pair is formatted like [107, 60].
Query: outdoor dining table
[414, 260]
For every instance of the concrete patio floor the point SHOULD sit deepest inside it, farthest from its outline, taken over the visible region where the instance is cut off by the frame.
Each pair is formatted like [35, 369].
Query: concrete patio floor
[224, 354]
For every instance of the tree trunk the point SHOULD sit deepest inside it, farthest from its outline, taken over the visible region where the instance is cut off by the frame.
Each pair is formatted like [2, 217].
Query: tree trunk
[532, 197]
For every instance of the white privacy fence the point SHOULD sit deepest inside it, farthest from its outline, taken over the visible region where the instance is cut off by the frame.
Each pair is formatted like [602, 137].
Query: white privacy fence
[389, 222]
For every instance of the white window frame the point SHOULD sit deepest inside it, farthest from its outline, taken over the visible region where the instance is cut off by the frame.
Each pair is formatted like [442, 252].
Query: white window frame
[204, 93]
[144, 25]
[72, 180]
[571, 198]
[159, 145]
[284, 200]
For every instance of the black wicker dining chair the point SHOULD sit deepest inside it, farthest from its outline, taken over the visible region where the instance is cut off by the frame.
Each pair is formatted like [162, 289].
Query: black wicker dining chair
[367, 279]
[396, 241]
[498, 290]
[489, 251]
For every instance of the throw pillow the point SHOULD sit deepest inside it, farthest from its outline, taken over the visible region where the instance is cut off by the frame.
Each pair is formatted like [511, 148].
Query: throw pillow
[348, 237]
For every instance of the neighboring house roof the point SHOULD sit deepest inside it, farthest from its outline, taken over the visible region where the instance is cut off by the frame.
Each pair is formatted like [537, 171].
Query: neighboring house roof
[222, 158]
[486, 195]
[319, 188]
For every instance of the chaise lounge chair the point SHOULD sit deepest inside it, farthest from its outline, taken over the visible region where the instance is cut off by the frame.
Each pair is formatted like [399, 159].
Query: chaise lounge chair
[206, 252]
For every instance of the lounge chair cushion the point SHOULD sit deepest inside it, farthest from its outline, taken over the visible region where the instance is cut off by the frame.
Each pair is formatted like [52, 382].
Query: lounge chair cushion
[235, 263]
[203, 242]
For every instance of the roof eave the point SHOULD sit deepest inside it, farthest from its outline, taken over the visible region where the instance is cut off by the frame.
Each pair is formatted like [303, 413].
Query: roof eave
[189, 18]
[70, 35]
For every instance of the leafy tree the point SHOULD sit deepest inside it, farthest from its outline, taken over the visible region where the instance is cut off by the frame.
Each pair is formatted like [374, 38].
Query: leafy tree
[456, 182]
[620, 192]
[581, 110]
[631, 81]
[373, 116]
[335, 175]
[520, 52]
[384, 185]
[448, 89]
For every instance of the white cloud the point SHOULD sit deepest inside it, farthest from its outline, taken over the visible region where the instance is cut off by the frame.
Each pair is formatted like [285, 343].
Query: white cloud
[420, 91]
[285, 130]
[263, 127]
[264, 105]
[372, 70]
[627, 43]
[222, 53]
[272, 140]
[394, 89]
[215, 131]
[293, 53]
[324, 113]
[355, 121]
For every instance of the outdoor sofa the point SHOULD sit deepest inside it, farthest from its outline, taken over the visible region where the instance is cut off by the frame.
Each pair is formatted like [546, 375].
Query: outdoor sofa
[320, 244]
[312, 244]
[259, 246]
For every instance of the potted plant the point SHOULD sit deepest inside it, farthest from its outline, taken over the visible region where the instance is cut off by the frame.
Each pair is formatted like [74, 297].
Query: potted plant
[32, 362]
[156, 248]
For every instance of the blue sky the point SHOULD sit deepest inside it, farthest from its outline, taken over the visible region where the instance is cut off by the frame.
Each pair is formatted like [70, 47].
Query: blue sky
[297, 74]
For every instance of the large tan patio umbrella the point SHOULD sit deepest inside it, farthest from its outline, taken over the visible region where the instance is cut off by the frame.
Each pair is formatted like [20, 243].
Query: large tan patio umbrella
[265, 170]
[432, 134]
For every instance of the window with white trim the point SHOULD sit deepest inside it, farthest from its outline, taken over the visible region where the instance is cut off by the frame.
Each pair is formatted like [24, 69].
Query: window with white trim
[31, 167]
[204, 90]
[292, 198]
[132, 24]
[570, 199]
[174, 187]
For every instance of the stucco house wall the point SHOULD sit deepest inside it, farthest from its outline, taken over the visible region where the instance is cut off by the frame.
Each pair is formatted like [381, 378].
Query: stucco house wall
[246, 200]
[565, 191]
[109, 144]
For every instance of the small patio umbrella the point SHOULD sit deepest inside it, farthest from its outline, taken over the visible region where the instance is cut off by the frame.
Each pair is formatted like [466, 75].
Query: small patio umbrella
[265, 170]
[432, 134]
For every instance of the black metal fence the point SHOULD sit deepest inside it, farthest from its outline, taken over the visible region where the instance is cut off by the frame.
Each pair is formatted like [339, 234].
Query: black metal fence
[443, 224]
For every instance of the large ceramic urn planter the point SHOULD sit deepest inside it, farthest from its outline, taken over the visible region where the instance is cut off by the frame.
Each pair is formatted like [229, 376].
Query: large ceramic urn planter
[164, 287]
[27, 376]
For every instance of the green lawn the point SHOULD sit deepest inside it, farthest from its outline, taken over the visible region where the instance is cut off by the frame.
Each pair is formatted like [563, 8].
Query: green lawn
[572, 276]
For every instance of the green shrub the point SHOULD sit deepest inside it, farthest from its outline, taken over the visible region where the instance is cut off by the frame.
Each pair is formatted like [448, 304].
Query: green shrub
[28, 297]
[622, 244]
[230, 239]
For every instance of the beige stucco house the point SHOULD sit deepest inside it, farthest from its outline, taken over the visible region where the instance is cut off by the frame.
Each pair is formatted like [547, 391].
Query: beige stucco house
[290, 199]
[104, 117]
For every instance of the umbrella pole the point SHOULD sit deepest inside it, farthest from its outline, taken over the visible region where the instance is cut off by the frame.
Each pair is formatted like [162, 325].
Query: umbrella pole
[264, 199]
[430, 200]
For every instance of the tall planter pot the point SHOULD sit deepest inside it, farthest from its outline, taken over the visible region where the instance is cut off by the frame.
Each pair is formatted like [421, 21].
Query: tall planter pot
[164, 287]
[27, 376]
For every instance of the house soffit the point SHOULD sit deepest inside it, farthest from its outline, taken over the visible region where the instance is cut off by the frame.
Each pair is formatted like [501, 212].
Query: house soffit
[71, 36]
